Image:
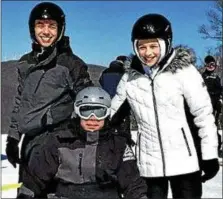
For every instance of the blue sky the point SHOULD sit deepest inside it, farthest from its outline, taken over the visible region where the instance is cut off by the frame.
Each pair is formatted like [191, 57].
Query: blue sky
[100, 30]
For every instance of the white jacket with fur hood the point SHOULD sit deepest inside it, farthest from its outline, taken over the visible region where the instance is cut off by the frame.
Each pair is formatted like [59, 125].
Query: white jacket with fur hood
[164, 144]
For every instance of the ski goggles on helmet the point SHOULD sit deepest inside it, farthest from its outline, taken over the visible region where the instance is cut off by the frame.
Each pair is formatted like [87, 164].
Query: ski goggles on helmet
[85, 111]
[211, 64]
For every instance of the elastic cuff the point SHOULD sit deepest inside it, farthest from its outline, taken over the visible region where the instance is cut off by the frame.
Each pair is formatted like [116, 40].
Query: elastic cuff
[26, 191]
[14, 134]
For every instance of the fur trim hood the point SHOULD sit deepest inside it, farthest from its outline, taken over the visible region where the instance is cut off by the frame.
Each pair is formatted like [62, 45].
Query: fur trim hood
[181, 56]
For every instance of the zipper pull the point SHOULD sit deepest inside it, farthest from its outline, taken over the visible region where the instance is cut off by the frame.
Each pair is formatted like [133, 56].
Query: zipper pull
[80, 161]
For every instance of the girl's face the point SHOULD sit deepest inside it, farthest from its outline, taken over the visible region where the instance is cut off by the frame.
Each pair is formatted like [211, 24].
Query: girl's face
[92, 124]
[149, 51]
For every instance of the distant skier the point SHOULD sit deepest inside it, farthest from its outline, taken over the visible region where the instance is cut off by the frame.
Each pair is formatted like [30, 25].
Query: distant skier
[215, 90]
[109, 80]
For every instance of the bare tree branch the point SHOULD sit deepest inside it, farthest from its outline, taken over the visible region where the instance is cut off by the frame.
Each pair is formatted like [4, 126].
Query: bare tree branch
[214, 29]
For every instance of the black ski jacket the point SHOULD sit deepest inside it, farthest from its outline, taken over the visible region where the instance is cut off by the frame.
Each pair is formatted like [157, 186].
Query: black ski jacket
[46, 90]
[89, 165]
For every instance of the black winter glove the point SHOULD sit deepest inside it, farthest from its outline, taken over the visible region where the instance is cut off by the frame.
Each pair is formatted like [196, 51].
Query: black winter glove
[210, 169]
[12, 151]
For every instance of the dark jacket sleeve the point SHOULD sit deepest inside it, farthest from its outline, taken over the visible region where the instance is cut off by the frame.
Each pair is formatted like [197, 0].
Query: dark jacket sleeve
[219, 91]
[218, 86]
[130, 182]
[101, 78]
[122, 122]
[78, 72]
[13, 128]
[38, 175]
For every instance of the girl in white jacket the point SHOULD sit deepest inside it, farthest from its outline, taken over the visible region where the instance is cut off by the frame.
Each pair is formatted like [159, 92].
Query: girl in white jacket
[157, 84]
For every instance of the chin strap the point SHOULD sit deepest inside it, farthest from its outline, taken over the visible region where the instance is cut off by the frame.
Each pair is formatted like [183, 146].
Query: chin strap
[42, 54]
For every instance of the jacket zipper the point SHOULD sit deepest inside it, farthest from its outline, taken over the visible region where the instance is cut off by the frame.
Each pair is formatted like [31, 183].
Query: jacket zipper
[80, 165]
[158, 129]
[186, 141]
[139, 148]
[39, 81]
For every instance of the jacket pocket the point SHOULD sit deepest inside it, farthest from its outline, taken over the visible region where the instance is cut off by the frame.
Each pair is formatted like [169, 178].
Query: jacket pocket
[186, 142]
[32, 124]
[71, 165]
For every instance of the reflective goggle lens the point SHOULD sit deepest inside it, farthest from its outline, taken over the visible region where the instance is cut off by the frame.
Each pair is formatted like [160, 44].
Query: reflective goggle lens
[212, 64]
[99, 111]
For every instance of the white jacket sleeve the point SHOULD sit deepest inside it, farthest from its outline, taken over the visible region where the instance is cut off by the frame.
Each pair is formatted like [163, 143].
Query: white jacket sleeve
[120, 95]
[198, 100]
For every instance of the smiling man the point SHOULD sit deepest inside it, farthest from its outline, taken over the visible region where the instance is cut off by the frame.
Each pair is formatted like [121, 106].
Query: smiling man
[46, 31]
[49, 77]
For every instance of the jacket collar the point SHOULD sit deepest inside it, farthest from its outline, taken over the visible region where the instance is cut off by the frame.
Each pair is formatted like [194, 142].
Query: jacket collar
[180, 57]
[46, 57]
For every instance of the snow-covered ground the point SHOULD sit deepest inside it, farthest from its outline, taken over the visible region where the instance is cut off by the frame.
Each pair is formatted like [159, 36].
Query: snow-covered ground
[211, 189]
[9, 175]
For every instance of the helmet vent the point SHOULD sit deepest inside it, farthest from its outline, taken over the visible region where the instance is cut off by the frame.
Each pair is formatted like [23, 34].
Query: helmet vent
[85, 96]
[101, 97]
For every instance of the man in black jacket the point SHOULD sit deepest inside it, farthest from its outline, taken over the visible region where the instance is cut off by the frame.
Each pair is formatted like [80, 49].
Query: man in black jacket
[213, 83]
[93, 163]
[49, 78]
[214, 87]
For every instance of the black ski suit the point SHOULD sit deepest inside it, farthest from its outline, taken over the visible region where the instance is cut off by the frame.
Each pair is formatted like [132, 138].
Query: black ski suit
[87, 165]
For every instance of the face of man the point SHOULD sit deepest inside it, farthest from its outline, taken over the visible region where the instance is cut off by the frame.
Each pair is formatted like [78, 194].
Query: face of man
[211, 66]
[46, 31]
[92, 124]
[149, 51]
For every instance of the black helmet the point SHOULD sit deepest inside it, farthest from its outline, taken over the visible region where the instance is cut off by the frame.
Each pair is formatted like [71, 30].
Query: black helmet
[47, 10]
[208, 59]
[152, 26]
[122, 58]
